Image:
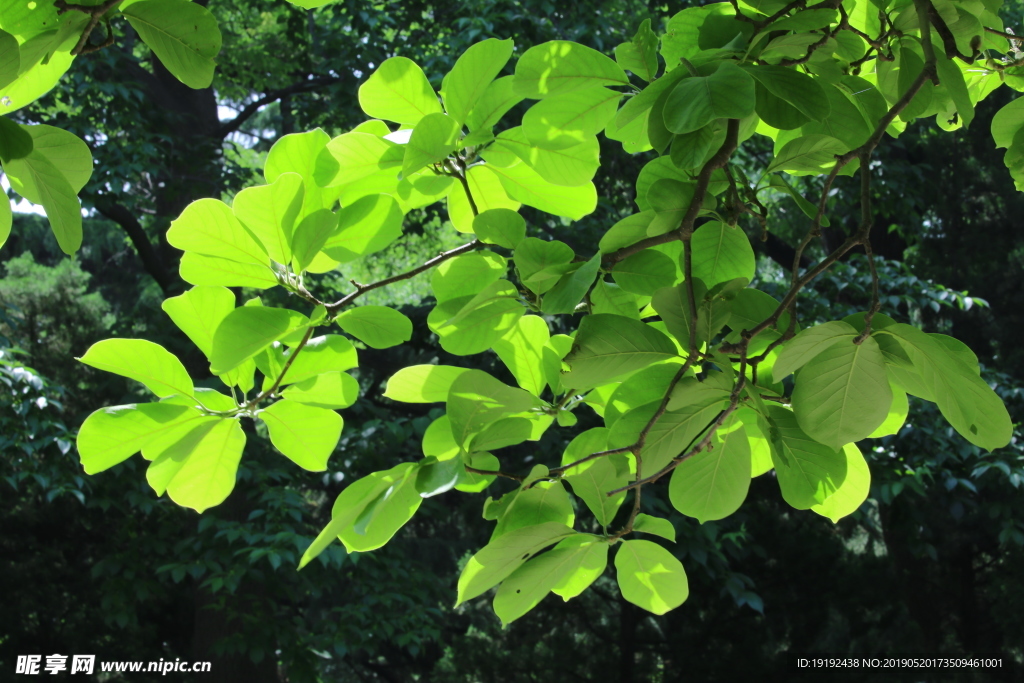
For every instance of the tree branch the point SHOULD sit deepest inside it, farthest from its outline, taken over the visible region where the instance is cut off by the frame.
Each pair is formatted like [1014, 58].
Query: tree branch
[151, 260]
[250, 110]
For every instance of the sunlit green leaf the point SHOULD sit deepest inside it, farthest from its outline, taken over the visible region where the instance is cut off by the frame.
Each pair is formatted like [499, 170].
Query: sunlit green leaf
[650, 576]
[305, 434]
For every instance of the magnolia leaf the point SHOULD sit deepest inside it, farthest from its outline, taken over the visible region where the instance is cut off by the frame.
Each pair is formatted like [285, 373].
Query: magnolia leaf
[560, 66]
[608, 346]
[246, 331]
[111, 435]
[473, 72]
[305, 434]
[493, 563]
[650, 576]
[713, 484]
[854, 490]
[379, 327]
[842, 395]
[183, 34]
[142, 361]
[422, 384]
[398, 91]
[327, 390]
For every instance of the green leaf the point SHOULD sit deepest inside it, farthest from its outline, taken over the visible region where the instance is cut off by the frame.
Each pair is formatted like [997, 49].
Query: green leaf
[808, 155]
[897, 415]
[645, 272]
[296, 153]
[379, 327]
[728, 93]
[541, 502]
[721, 253]
[475, 400]
[422, 384]
[52, 174]
[310, 236]
[351, 503]
[432, 140]
[493, 563]
[270, 212]
[965, 400]
[471, 324]
[1007, 121]
[592, 480]
[854, 490]
[525, 185]
[670, 436]
[503, 227]
[640, 388]
[713, 485]
[690, 150]
[488, 193]
[466, 275]
[142, 361]
[183, 34]
[560, 66]
[15, 141]
[670, 200]
[199, 470]
[473, 72]
[607, 297]
[570, 118]
[571, 166]
[365, 227]
[842, 394]
[305, 434]
[328, 353]
[641, 54]
[246, 331]
[355, 156]
[327, 390]
[111, 435]
[10, 59]
[198, 312]
[571, 288]
[6, 220]
[808, 471]
[810, 210]
[398, 91]
[213, 271]
[208, 227]
[311, 4]
[608, 346]
[657, 526]
[498, 98]
[381, 519]
[650, 576]
[795, 88]
[580, 559]
[799, 350]
[522, 352]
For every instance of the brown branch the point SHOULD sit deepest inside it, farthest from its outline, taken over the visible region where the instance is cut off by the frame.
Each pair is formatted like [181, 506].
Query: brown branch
[493, 473]
[150, 257]
[932, 18]
[332, 309]
[1004, 34]
[95, 13]
[251, 109]
[291, 359]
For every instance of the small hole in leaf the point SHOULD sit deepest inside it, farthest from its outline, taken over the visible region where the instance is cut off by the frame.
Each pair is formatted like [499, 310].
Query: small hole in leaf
[974, 429]
[519, 590]
[526, 556]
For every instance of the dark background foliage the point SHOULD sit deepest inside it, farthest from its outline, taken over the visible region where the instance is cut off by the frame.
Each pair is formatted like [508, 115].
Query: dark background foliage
[931, 563]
